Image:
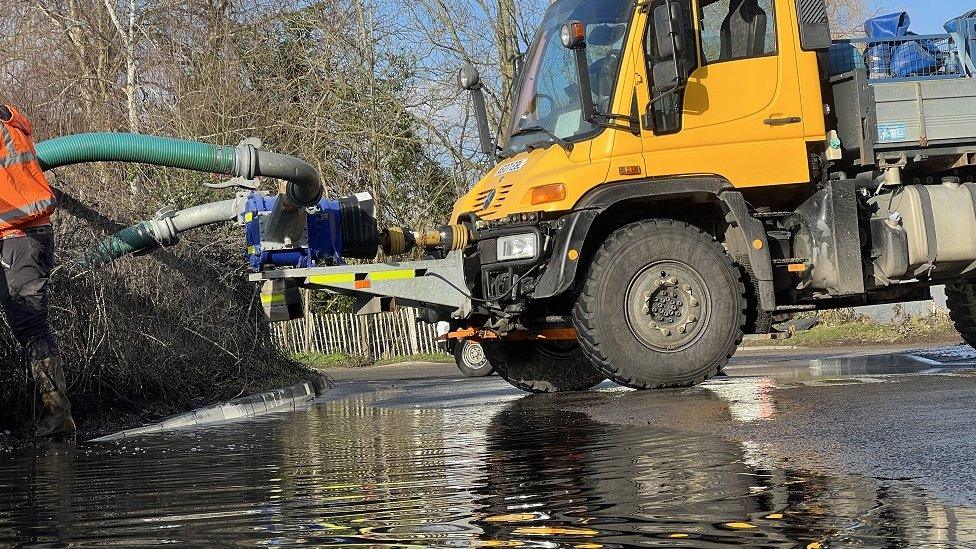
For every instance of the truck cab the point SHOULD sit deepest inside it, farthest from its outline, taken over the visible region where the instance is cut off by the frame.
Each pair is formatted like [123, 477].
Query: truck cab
[739, 115]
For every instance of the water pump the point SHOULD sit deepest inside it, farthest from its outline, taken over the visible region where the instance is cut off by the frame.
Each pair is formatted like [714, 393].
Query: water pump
[334, 230]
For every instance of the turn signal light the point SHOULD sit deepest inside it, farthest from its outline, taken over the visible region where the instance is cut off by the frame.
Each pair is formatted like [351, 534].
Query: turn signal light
[548, 193]
[573, 35]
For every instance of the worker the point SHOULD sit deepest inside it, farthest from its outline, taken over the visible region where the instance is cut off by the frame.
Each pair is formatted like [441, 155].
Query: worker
[26, 260]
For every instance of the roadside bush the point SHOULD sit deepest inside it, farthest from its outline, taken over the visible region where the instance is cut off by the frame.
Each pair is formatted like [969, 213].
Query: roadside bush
[149, 336]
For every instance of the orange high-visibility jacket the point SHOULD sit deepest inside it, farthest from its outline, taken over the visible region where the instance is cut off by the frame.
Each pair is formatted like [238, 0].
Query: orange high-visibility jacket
[26, 197]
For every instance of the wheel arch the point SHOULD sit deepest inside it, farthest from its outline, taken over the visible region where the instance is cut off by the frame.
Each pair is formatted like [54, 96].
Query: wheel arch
[711, 203]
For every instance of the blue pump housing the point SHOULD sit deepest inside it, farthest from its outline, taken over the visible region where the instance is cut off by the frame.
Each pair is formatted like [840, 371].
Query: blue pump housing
[324, 244]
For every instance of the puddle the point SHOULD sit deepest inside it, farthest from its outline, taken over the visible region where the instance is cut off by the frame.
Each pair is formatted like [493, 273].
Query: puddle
[853, 368]
[532, 472]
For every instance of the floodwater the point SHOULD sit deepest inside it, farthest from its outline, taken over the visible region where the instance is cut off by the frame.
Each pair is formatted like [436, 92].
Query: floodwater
[532, 471]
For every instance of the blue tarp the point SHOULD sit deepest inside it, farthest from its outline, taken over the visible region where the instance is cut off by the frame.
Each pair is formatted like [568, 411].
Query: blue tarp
[892, 25]
[958, 25]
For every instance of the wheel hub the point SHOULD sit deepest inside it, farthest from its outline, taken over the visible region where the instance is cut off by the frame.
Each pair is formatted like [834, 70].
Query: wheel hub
[667, 306]
[474, 354]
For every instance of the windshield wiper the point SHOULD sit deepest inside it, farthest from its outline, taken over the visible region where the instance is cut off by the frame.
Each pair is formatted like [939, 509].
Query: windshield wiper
[566, 145]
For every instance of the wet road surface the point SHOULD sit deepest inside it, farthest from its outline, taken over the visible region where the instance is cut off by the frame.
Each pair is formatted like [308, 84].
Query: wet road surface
[792, 450]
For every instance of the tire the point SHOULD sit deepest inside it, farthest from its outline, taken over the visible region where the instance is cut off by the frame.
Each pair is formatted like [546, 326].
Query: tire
[471, 360]
[663, 305]
[758, 321]
[543, 367]
[961, 301]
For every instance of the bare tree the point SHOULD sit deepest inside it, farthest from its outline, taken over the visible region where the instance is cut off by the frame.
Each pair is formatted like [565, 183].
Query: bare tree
[847, 17]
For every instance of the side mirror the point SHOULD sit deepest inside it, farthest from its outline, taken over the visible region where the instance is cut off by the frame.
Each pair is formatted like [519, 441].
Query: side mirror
[669, 70]
[573, 36]
[470, 80]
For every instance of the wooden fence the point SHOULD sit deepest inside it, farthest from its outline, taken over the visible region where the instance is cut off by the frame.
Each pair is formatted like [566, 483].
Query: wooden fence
[379, 336]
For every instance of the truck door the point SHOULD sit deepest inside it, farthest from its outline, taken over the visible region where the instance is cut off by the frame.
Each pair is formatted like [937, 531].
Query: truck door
[740, 115]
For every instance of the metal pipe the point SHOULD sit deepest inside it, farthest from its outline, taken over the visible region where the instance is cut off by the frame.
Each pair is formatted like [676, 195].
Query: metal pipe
[286, 223]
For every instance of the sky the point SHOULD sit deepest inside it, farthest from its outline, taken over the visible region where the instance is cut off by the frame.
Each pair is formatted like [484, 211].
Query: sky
[928, 16]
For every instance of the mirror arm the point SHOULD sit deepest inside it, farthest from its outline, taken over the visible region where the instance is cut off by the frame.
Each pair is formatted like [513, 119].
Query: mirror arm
[672, 91]
[481, 117]
[634, 126]
[590, 113]
[586, 90]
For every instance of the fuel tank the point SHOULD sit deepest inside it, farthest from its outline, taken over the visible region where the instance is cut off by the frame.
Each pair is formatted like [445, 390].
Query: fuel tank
[939, 222]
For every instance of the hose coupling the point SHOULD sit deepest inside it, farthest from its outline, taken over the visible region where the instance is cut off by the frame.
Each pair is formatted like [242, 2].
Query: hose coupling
[397, 240]
[245, 167]
[165, 230]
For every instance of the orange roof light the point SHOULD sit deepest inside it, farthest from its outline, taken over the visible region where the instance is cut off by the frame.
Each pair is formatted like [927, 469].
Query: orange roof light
[548, 193]
[573, 35]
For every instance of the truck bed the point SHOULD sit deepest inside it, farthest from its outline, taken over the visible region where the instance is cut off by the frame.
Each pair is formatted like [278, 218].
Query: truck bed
[886, 120]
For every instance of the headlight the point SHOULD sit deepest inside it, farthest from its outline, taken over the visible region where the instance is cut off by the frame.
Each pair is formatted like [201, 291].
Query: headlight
[518, 246]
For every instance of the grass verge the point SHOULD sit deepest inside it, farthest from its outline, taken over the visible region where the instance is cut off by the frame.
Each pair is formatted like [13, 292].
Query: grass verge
[845, 328]
[321, 361]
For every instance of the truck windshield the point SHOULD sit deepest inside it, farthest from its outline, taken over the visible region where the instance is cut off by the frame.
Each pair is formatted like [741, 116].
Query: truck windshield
[548, 95]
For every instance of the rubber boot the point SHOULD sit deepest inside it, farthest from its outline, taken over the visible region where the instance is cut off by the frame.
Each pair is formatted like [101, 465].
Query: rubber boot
[56, 421]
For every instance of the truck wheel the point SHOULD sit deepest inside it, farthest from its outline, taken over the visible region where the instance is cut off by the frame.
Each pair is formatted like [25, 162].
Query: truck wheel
[758, 321]
[961, 301]
[663, 306]
[543, 366]
[471, 359]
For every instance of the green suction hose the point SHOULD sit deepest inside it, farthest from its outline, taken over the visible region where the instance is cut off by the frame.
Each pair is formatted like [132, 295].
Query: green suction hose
[140, 149]
[130, 240]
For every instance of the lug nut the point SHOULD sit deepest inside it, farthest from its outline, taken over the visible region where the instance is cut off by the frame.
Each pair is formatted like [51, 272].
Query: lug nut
[686, 287]
[692, 318]
[682, 329]
[693, 302]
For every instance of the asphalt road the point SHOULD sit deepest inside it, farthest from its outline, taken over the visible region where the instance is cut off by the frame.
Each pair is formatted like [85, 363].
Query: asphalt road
[887, 414]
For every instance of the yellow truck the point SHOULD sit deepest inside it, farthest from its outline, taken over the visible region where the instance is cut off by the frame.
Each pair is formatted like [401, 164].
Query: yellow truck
[678, 173]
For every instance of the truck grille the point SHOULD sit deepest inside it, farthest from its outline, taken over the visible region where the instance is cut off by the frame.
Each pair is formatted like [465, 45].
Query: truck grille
[501, 193]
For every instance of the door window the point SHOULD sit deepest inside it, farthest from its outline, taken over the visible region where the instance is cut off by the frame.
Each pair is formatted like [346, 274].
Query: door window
[737, 29]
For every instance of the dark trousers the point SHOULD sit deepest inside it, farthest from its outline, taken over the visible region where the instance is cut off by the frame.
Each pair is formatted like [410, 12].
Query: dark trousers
[25, 267]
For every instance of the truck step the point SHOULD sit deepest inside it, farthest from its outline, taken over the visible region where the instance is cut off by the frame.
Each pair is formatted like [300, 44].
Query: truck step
[794, 308]
[789, 261]
[770, 215]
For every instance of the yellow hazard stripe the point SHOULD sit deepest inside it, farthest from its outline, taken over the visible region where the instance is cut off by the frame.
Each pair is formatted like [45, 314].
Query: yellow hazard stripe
[349, 278]
[272, 298]
[341, 278]
[393, 275]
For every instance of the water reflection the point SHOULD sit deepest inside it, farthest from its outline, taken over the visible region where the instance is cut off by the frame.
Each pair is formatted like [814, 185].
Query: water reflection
[533, 473]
